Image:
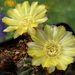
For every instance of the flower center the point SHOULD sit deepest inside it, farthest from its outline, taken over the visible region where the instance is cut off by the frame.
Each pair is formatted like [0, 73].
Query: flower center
[25, 20]
[52, 48]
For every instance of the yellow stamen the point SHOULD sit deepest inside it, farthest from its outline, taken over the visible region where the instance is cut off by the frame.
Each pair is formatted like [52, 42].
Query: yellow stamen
[52, 48]
[25, 20]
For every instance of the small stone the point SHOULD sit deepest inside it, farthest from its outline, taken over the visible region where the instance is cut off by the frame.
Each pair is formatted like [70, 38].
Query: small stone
[16, 53]
[16, 57]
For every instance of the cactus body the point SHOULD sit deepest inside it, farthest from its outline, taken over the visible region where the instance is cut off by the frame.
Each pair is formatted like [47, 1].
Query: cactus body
[25, 68]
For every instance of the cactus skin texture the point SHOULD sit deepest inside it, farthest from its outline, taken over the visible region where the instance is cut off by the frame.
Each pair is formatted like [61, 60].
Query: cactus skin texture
[25, 68]
[71, 69]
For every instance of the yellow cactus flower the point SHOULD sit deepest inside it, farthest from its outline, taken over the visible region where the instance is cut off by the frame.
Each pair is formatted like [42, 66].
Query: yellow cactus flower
[52, 47]
[9, 3]
[24, 16]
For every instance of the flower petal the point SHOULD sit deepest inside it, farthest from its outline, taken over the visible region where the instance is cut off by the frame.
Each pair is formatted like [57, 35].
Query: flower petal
[33, 44]
[26, 7]
[54, 32]
[9, 21]
[37, 40]
[69, 51]
[48, 31]
[54, 61]
[16, 35]
[40, 35]
[41, 14]
[58, 36]
[33, 7]
[35, 52]
[42, 20]
[20, 31]
[65, 58]
[36, 60]
[13, 13]
[46, 62]
[9, 29]
[69, 41]
[33, 25]
[31, 31]
[64, 61]
[19, 9]
[50, 69]
[61, 66]
[39, 9]
[66, 36]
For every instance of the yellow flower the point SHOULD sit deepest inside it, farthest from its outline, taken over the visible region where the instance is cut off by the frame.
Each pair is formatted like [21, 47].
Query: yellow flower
[10, 3]
[24, 16]
[52, 47]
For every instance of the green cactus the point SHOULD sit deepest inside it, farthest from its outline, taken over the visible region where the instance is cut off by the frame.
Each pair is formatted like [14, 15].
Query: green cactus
[25, 68]
[70, 69]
